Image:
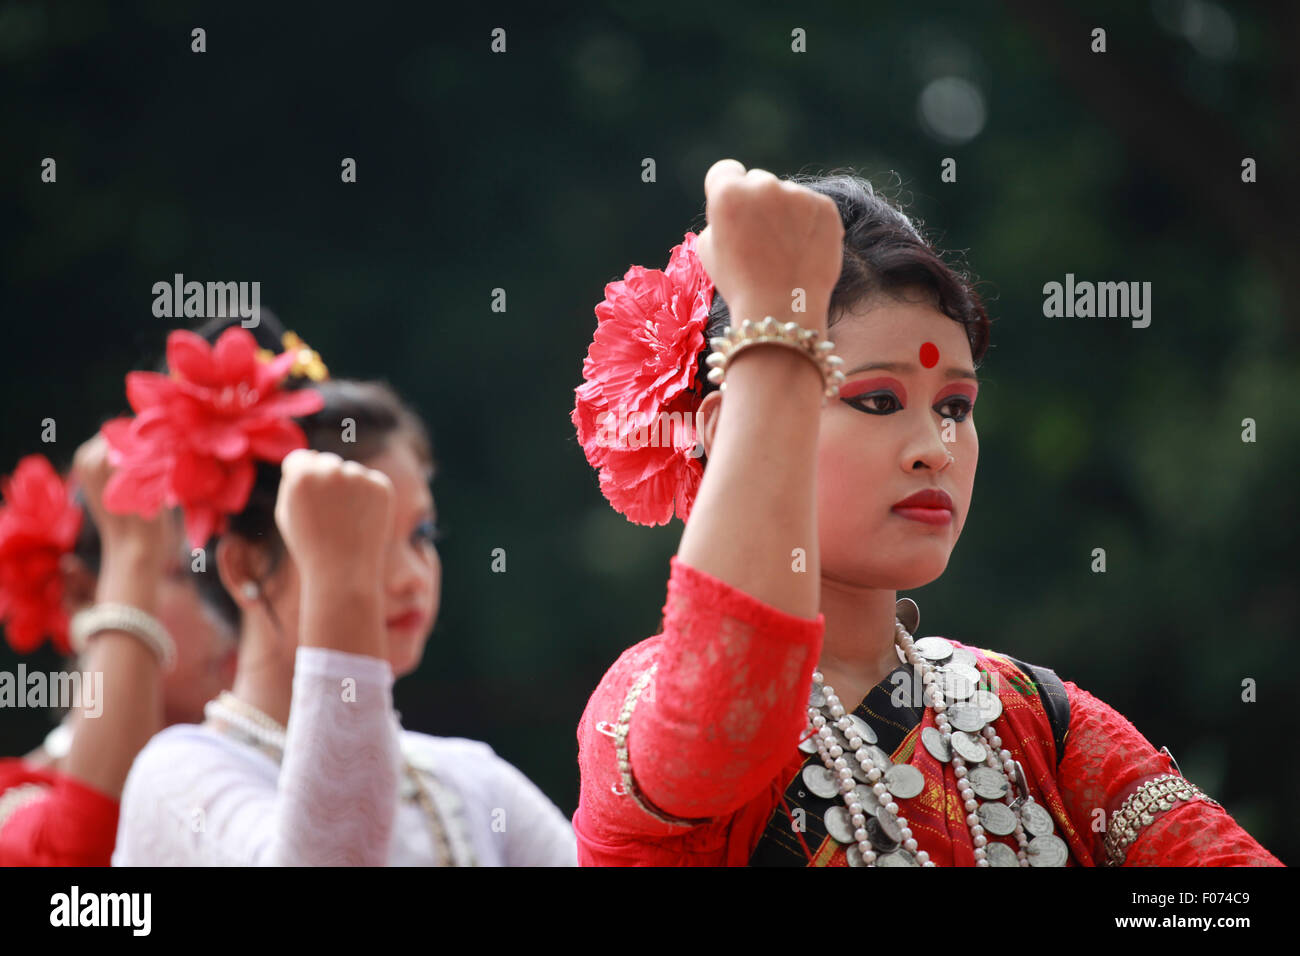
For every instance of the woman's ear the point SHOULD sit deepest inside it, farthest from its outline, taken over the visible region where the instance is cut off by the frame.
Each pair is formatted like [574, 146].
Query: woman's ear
[78, 583]
[239, 564]
[706, 419]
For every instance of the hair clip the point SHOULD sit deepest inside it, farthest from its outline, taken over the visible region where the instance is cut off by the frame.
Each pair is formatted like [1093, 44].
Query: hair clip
[307, 362]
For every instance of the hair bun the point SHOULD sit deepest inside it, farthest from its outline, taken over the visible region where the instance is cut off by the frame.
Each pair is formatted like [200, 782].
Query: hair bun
[268, 332]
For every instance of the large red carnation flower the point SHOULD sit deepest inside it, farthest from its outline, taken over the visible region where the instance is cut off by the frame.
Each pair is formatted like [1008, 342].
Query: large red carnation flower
[635, 411]
[198, 432]
[39, 524]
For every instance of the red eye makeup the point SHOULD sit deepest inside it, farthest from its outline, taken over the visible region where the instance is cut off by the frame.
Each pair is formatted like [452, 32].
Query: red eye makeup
[854, 389]
[967, 390]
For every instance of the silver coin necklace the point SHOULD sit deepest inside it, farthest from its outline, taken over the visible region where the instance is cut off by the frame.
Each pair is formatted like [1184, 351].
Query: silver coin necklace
[869, 820]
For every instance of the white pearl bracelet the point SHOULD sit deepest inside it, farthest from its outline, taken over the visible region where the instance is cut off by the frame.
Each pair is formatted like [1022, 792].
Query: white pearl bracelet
[146, 628]
[771, 332]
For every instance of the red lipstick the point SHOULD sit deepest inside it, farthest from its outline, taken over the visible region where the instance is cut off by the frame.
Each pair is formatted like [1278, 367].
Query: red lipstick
[407, 621]
[930, 506]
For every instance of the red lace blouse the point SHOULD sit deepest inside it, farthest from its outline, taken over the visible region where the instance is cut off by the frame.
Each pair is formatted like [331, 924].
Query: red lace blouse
[718, 702]
[50, 819]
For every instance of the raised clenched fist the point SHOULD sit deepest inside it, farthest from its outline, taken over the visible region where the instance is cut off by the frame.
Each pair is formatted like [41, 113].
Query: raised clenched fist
[91, 471]
[766, 238]
[334, 515]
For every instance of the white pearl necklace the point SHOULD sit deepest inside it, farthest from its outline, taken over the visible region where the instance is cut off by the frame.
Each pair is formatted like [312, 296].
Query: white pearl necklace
[833, 757]
[268, 733]
[229, 709]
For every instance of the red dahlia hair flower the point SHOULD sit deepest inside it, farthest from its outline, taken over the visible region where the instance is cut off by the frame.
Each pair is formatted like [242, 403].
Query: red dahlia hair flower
[39, 523]
[197, 433]
[635, 411]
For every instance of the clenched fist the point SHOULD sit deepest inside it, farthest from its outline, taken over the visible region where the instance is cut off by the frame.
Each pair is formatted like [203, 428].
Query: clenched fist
[118, 532]
[765, 239]
[334, 515]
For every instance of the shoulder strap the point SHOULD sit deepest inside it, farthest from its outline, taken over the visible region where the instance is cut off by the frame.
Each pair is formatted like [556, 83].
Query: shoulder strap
[1055, 700]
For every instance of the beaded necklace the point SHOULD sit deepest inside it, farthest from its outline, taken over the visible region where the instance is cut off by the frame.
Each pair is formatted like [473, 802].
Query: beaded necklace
[870, 822]
[255, 727]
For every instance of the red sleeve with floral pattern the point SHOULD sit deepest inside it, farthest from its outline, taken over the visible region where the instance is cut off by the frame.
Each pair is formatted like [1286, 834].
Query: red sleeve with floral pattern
[1106, 759]
[724, 698]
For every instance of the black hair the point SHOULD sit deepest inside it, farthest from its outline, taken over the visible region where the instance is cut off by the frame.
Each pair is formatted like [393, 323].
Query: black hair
[357, 422]
[884, 253]
[88, 546]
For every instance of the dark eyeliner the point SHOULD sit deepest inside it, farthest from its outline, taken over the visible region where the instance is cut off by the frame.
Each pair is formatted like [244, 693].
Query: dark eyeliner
[855, 400]
[966, 404]
[428, 530]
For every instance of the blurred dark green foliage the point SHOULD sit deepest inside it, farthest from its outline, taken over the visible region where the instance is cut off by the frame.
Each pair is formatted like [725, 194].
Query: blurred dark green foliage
[522, 172]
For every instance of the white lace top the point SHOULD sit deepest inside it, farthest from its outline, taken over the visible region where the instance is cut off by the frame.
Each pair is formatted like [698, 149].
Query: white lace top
[198, 797]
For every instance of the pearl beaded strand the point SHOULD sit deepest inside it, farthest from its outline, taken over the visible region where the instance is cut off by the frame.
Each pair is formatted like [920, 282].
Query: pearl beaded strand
[833, 757]
[998, 757]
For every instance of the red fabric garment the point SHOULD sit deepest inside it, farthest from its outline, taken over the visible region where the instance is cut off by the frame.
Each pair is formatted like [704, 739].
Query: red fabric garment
[1106, 757]
[70, 824]
[712, 748]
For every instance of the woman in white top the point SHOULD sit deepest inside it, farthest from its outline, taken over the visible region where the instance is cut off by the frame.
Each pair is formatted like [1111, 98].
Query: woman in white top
[331, 572]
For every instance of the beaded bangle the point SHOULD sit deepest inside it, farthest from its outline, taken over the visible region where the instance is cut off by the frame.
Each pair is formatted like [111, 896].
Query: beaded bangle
[771, 332]
[1140, 807]
[624, 763]
[88, 622]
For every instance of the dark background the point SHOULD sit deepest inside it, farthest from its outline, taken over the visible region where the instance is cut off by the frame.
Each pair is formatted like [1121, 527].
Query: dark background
[522, 171]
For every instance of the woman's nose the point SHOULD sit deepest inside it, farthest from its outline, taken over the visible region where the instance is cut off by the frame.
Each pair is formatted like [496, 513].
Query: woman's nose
[931, 451]
[406, 568]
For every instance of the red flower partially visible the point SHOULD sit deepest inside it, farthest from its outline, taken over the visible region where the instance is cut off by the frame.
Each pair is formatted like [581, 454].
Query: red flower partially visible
[198, 432]
[635, 411]
[39, 523]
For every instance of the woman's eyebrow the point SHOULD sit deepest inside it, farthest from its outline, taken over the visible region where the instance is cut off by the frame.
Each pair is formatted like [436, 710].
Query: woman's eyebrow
[953, 372]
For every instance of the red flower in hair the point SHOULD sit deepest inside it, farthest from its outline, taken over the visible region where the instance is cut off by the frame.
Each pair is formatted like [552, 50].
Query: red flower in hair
[38, 525]
[635, 413]
[198, 432]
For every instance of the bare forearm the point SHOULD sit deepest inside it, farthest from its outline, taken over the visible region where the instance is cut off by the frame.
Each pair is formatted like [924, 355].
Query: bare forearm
[757, 503]
[111, 730]
[341, 613]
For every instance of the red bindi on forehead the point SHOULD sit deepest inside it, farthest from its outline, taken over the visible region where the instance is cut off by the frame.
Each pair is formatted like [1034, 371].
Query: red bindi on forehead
[929, 355]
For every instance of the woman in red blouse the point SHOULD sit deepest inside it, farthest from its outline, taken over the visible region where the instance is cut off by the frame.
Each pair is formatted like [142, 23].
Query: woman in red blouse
[785, 715]
[59, 804]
